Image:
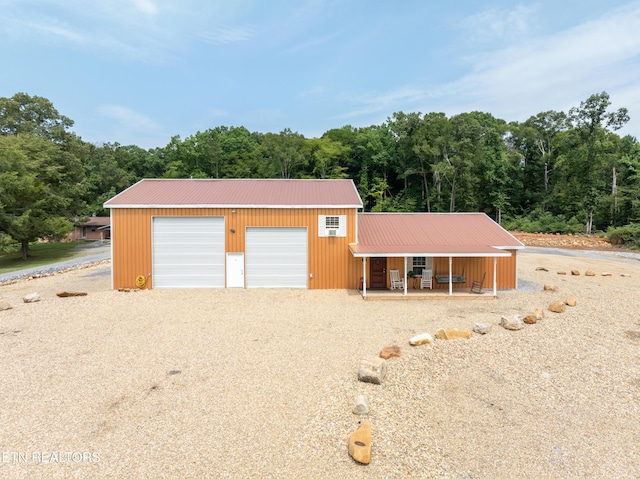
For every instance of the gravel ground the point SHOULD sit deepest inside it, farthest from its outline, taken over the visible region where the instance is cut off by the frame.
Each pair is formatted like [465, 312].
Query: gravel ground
[261, 383]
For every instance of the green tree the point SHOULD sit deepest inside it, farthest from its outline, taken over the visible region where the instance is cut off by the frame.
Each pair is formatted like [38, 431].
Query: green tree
[23, 114]
[34, 190]
[283, 154]
[588, 152]
[326, 157]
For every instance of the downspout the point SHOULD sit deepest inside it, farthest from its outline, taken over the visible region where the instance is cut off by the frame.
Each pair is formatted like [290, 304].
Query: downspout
[450, 276]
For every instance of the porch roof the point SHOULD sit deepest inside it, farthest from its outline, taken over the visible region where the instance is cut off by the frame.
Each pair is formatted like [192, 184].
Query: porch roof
[419, 250]
[431, 234]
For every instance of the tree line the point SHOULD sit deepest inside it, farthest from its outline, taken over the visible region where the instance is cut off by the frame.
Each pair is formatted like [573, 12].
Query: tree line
[556, 172]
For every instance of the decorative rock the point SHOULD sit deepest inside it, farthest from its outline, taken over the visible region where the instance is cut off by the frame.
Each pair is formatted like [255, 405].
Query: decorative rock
[372, 370]
[390, 352]
[589, 273]
[570, 301]
[541, 268]
[453, 333]
[539, 313]
[482, 328]
[575, 272]
[562, 272]
[362, 406]
[550, 287]
[530, 319]
[512, 324]
[360, 444]
[4, 305]
[625, 275]
[65, 294]
[31, 298]
[607, 274]
[557, 307]
[424, 338]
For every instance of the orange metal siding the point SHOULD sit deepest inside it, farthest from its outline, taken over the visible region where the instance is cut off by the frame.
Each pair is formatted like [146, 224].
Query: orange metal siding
[329, 259]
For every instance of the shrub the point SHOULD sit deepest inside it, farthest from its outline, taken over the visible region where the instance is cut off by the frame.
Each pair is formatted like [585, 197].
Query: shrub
[628, 235]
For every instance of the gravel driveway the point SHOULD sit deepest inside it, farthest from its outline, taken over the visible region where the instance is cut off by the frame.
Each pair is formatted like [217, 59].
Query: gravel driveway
[261, 383]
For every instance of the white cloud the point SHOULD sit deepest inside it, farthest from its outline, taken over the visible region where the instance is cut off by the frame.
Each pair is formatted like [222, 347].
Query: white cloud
[128, 118]
[225, 34]
[589, 58]
[495, 24]
[146, 6]
[554, 72]
[156, 31]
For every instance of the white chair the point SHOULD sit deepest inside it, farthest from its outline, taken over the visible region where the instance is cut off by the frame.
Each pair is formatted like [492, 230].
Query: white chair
[396, 280]
[426, 279]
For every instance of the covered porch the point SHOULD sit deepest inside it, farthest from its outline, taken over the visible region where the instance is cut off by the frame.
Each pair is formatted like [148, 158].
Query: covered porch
[451, 273]
[465, 256]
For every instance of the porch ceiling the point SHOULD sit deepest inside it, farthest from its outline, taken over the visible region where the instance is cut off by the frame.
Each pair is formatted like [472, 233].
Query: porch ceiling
[360, 251]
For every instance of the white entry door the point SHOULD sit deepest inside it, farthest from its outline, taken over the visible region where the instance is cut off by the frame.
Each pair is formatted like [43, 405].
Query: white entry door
[235, 270]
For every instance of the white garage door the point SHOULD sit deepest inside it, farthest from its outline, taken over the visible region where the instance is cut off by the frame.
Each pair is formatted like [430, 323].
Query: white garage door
[188, 252]
[276, 258]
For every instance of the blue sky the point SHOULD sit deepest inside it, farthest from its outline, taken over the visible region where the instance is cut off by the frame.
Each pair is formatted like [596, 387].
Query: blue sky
[141, 71]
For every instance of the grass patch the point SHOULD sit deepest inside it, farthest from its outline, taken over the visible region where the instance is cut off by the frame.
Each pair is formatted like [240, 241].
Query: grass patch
[40, 254]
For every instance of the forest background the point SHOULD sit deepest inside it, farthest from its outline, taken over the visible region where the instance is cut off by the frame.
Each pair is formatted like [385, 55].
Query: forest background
[557, 172]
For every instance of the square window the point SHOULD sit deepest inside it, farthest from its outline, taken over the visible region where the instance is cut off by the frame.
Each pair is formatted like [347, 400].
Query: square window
[332, 222]
[419, 264]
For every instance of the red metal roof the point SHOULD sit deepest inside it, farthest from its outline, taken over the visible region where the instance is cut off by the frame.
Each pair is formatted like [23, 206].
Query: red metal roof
[431, 234]
[272, 193]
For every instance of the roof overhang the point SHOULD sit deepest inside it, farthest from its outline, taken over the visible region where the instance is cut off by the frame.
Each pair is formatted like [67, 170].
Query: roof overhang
[362, 251]
[228, 206]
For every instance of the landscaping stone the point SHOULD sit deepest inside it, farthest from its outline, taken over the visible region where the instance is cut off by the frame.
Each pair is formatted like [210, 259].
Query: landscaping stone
[530, 319]
[482, 328]
[514, 323]
[453, 333]
[575, 272]
[372, 370]
[390, 352]
[360, 444]
[31, 298]
[4, 305]
[550, 287]
[65, 294]
[539, 313]
[562, 272]
[589, 273]
[424, 338]
[557, 307]
[570, 301]
[362, 406]
[541, 268]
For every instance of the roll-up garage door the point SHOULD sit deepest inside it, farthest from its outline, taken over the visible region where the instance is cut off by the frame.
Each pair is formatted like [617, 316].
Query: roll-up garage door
[188, 252]
[276, 258]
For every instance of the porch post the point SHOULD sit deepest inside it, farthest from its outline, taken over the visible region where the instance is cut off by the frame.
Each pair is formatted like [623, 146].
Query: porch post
[405, 275]
[495, 281]
[364, 276]
[450, 276]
